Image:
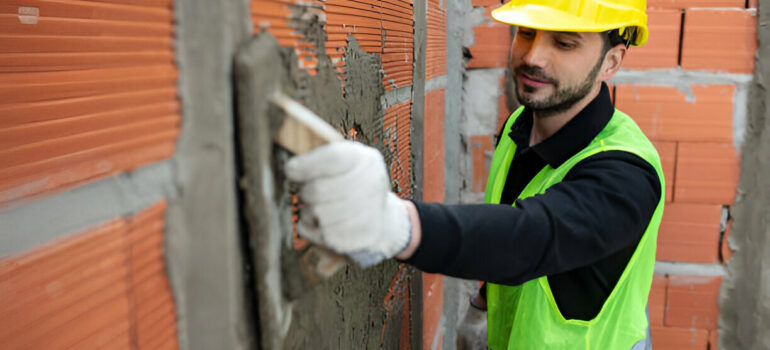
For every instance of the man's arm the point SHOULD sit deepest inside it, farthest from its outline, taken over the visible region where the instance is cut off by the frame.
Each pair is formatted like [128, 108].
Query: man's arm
[603, 205]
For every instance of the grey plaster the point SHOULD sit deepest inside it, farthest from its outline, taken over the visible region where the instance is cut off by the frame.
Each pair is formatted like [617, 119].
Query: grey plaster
[203, 245]
[679, 268]
[396, 96]
[481, 96]
[417, 140]
[418, 97]
[28, 226]
[435, 83]
[745, 294]
[453, 109]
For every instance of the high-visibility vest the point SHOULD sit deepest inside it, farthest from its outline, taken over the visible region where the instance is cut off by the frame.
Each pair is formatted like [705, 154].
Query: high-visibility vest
[526, 316]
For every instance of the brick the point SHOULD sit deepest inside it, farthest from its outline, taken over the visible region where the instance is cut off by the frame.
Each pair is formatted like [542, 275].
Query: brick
[706, 173]
[669, 338]
[481, 150]
[725, 249]
[55, 291]
[397, 126]
[656, 303]
[432, 309]
[435, 46]
[491, 46]
[682, 4]
[667, 153]
[719, 40]
[753, 4]
[80, 73]
[713, 340]
[667, 114]
[689, 233]
[662, 47]
[153, 304]
[433, 172]
[502, 112]
[692, 301]
[479, 3]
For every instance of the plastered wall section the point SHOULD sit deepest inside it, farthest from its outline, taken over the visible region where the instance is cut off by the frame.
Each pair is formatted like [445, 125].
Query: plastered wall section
[386, 311]
[88, 95]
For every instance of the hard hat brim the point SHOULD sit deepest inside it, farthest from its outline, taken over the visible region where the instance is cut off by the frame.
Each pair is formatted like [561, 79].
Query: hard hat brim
[545, 18]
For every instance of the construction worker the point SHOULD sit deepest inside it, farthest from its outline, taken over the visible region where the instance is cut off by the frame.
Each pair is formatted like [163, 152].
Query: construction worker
[566, 241]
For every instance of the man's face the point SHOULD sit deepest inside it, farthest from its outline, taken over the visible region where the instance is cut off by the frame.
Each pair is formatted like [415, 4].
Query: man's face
[555, 70]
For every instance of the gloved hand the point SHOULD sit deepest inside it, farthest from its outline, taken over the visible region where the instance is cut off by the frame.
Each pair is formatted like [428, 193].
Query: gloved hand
[347, 202]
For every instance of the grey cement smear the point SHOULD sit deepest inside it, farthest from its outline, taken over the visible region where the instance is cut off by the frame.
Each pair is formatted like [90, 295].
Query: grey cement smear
[26, 227]
[349, 310]
[436, 83]
[677, 268]
[745, 294]
[203, 243]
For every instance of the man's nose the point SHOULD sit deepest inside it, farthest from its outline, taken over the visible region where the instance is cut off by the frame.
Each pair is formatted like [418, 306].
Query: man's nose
[537, 51]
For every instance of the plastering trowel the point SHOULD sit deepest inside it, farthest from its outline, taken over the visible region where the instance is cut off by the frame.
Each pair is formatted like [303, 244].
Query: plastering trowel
[301, 131]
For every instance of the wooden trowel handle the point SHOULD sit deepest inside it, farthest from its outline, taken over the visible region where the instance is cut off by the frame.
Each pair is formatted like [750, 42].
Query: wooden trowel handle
[300, 132]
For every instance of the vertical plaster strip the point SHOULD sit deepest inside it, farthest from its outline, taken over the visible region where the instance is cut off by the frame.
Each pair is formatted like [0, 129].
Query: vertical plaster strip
[418, 154]
[203, 242]
[745, 295]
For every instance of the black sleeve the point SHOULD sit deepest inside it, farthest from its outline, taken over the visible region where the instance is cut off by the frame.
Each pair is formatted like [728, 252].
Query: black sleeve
[602, 205]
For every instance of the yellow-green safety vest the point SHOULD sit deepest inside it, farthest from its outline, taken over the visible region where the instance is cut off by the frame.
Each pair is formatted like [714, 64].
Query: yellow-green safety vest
[526, 316]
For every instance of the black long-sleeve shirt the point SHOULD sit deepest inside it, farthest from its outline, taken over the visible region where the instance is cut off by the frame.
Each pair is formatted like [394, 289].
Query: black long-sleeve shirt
[580, 233]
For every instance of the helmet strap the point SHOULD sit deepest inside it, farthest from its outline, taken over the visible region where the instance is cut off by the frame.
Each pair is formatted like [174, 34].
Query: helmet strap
[628, 35]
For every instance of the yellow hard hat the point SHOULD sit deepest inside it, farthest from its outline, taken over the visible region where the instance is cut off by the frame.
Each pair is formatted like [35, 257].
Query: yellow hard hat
[578, 16]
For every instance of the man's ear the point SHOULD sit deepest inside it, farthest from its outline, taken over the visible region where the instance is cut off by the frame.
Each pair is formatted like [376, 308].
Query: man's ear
[613, 59]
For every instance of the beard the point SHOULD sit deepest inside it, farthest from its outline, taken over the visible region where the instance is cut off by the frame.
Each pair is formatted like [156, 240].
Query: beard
[562, 99]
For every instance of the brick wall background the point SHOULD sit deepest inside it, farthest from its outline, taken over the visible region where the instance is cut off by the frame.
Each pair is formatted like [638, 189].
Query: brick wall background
[87, 91]
[695, 120]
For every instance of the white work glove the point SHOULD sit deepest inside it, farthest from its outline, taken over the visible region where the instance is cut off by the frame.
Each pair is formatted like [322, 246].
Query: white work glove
[347, 204]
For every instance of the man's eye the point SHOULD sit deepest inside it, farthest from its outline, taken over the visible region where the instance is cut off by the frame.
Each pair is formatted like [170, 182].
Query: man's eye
[525, 34]
[565, 45]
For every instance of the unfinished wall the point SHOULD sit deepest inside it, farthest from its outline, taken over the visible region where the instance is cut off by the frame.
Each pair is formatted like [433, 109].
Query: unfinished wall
[90, 113]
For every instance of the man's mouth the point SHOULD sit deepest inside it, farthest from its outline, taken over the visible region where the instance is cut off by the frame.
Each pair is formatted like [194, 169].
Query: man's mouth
[531, 80]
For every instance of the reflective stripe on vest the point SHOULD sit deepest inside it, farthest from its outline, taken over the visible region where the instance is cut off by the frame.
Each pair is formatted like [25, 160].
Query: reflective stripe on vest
[526, 316]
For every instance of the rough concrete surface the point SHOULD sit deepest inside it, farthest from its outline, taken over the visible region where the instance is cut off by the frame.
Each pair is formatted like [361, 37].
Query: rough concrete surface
[745, 293]
[355, 309]
[203, 245]
[457, 27]
[418, 96]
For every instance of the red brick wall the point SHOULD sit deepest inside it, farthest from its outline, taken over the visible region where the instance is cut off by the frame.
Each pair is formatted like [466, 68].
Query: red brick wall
[87, 90]
[693, 132]
[105, 287]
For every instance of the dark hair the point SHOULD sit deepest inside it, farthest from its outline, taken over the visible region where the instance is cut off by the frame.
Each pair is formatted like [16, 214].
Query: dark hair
[613, 38]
